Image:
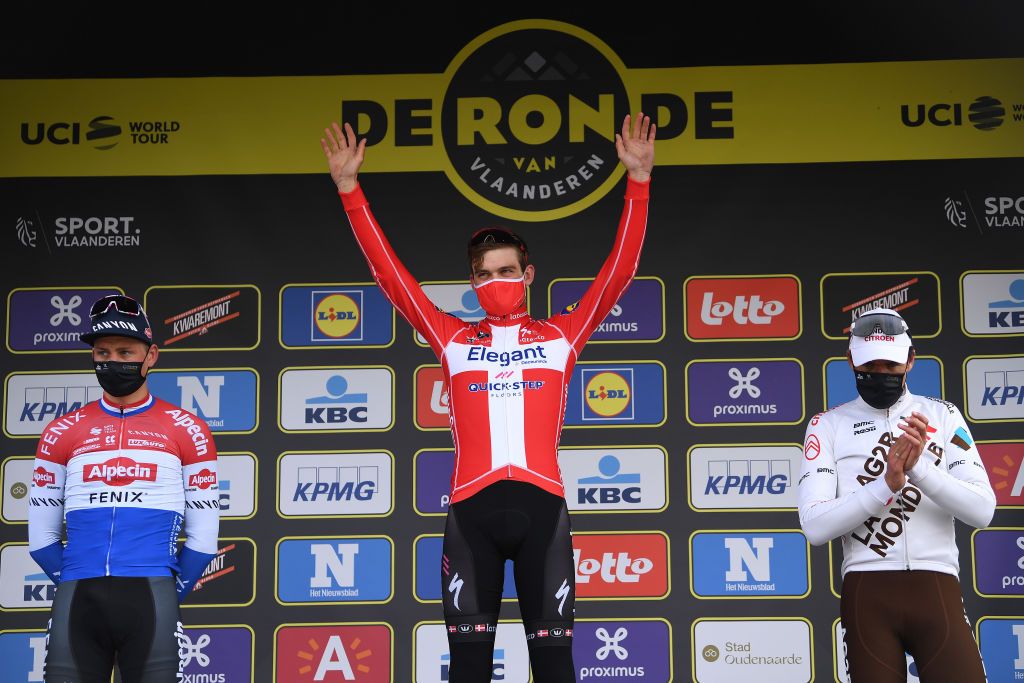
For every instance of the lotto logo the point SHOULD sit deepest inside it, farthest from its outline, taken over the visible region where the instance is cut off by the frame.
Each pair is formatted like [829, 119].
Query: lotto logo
[742, 308]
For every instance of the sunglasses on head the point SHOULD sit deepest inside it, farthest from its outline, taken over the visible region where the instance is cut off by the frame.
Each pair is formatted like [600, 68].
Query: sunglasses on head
[886, 323]
[497, 236]
[123, 304]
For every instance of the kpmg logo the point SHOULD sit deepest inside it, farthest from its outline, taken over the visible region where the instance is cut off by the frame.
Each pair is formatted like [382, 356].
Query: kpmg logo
[334, 570]
[330, 315]
[992, 304]
[745, 564]
[1001, 640]
[510, 662]
[614, 478]
[925, 379]
[47, 320]
[767, 651]
[998, 562]
[428, 556]
[433, 479]
[638, 316]
[623, 650]
[216, 654]
[340, 652]
[1004, 463]
[334, 484]
[995, 388]
[32, 400]
[23, 654]
[23, 586]
[226, 399]
[742, 308]
[739, 477]
[336, 399]
[616, 394]
[745, 392]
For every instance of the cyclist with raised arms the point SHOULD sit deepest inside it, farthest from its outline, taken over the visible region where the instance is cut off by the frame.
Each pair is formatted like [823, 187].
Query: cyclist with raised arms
[888, 472]
[507, 378]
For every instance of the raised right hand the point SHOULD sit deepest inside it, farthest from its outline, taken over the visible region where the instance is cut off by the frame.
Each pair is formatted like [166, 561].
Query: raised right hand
[344, 156]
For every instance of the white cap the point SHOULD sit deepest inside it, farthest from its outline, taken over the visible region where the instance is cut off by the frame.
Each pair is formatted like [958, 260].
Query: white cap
[881, 344]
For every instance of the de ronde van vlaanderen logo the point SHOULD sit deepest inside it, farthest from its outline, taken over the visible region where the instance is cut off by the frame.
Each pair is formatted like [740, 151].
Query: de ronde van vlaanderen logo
[529, 116]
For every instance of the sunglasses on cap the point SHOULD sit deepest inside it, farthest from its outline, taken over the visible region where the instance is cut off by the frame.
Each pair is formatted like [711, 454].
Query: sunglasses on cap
[886, 323]
[121, 303]
[497, 236]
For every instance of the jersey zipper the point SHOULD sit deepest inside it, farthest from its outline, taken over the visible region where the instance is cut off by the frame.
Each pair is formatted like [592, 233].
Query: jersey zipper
[113, 508]
[508, 425]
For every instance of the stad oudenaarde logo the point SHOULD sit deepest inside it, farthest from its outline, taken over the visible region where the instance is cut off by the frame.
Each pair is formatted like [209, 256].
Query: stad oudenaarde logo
[528, 119]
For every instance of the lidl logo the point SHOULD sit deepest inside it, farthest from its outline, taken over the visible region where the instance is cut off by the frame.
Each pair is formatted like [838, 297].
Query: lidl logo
[626, 394]
[326, 316]
[609, 394]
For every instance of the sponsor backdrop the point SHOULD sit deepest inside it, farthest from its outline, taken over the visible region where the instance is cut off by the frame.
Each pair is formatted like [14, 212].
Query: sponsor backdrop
[776, 216]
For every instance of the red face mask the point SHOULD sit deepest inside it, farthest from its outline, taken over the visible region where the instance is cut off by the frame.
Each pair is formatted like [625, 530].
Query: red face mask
[500, 296]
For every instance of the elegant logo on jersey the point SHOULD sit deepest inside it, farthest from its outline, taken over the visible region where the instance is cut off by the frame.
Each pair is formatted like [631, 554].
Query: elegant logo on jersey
[608, 394]
[230, 578]
[744, 392]
[433, 479]
[1001, 640]
[198, 318]
[225, 399]
[50, 319]
[915, 295]
[738, 477]
[340, 652]
[216, 654]
[743, 564]
[1004, 463]
[334, 570]
[925, 379]
[327, 315]
[616, 394]
[23, 655]
[427, 557]
[511, 660]
[742, 308]
[992, 303]
[621, 565]
[623, 650]
[998, 561]
[336, 399]
[638, 316]
[613, 479]
[768, 651]
[995, 388]
[334, 484]
[120, 471]
[431, 408]
[22, 584]
[33, 400]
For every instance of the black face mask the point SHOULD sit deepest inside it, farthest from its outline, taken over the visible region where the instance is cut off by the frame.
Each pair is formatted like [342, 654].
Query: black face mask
[879, 390]
[119, 379]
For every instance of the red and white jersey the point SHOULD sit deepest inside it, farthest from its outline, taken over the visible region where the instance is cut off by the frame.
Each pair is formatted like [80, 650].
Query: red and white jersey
[507, 376]
[125, 480]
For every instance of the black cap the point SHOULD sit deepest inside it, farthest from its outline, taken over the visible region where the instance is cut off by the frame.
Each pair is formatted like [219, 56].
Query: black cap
[118, 315]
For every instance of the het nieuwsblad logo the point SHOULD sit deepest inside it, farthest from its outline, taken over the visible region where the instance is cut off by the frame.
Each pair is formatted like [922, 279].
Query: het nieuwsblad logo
[528, 119]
